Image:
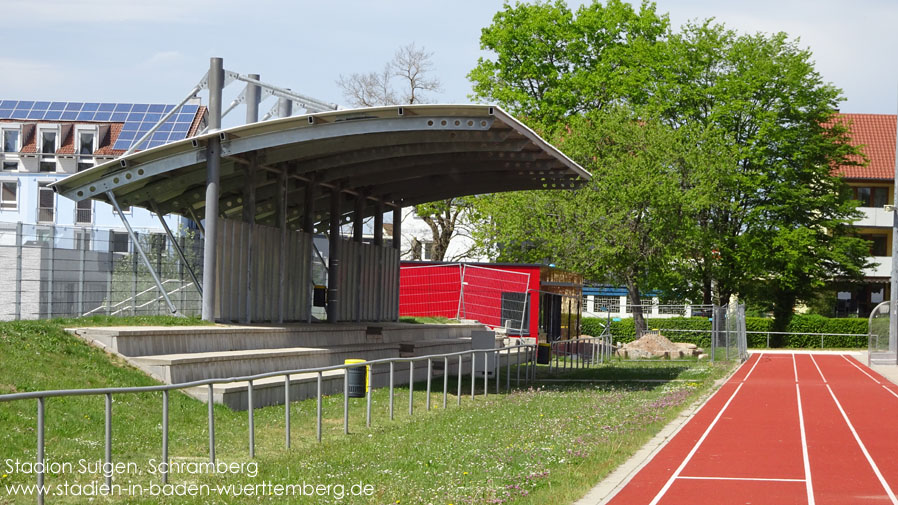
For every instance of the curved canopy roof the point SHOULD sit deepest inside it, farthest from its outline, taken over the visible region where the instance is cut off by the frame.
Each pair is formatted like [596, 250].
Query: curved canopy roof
[401, 155]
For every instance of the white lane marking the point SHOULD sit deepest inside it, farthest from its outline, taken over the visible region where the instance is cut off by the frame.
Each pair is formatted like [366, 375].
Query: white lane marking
[818, 368]
[857, 438]
[861, 369]
[753, 479]
[804, 448]
[795, 368]
[697, 445]
[753, 367]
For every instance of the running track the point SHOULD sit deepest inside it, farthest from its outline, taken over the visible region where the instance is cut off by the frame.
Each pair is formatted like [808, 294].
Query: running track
[786, 429]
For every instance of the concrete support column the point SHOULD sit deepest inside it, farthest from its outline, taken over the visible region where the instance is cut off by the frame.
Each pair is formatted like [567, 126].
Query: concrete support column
[397, 228]
[333, 256]
[252, 98]
[213, 170]
[379, 223]
[308, 209]
[282, 224]
[285, 107]
[249, 217]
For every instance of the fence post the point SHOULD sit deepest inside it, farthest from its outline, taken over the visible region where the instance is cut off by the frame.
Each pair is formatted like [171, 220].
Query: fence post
[40, 450]
[110, 276]
[108, 438]
[81, 253]
[51, 266]
[18, 270]
[134, 277]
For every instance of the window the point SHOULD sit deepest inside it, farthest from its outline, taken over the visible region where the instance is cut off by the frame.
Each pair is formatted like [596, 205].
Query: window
[427, 249]
[48, 142]
[9, 166]
[119, 242]
[45, 203]
[83, 212]
[47, 166]
[86, 144]
[82, 166]
[82, 240]
[10, 141]
[871, 196]
[878, 246]
[8, 192]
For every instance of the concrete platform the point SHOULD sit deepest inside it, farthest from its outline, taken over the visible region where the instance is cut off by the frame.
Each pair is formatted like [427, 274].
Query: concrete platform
[159, 340]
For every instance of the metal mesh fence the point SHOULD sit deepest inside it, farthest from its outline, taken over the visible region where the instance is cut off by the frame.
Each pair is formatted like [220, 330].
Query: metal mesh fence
[881, 344]
[728, 333]
[56, 271]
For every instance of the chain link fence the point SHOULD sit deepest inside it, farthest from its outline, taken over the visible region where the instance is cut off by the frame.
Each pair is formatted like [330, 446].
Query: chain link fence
[57, 271]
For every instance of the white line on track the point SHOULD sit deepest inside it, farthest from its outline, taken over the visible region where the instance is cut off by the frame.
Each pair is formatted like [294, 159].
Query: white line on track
[753, 367]
[795, 368]
[699, 443]
[818, 368]
[857, 438]
[804, 444]
[868, 375]
[753, 479]
[861, 369]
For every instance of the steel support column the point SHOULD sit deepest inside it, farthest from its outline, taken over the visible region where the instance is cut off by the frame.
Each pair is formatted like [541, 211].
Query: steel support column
[333, 256]
[358, 221]
[252, 97]
[379, 223]
[213, 172]
[397, 228]
[308, 209]
[285, 107]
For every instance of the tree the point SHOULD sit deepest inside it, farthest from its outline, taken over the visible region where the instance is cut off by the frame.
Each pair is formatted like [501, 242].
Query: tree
[777, 226]
[411, 66]
[629, 223]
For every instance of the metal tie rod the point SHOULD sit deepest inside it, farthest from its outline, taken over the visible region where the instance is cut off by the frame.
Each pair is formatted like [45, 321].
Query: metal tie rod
[143, 255]
[285, 93]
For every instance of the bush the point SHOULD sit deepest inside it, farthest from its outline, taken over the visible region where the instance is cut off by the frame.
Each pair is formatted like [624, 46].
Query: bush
[624, 331]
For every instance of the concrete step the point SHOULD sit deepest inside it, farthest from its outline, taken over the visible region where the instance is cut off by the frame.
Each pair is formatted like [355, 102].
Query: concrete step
[270, 391]
[175, 368]
[164, 340]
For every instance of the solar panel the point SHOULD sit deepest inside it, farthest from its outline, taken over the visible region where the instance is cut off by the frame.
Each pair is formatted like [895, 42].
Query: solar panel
[137, 118]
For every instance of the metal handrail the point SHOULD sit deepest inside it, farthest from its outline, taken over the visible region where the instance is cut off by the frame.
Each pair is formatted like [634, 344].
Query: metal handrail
[530, 373]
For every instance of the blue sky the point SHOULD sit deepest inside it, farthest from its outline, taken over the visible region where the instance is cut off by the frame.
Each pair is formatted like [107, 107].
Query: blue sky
[156, 51]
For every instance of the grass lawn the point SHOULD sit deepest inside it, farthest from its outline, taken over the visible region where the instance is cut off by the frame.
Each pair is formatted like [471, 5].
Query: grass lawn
[545, 444]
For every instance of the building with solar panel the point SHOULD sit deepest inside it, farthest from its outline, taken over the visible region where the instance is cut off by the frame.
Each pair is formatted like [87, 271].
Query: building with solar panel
[59, 247]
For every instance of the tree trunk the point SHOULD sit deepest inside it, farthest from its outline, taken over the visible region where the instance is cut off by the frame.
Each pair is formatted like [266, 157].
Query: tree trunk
[635, 301]
[783, 310]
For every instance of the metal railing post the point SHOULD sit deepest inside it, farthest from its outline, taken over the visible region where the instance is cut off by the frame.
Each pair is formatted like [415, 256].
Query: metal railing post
[391, 390]
[517, 366]
[458, 378]
[508, 370]
[287, 409]
[108, 440]
[40, 451]
[165, 437]
[318, 408]
[445, 380]
[473, 368]
[429, 373]
[369, 387]
[346, 401]
[497, 360]
[251, 419]
[411, 387]
[486, 373]
[211, 428]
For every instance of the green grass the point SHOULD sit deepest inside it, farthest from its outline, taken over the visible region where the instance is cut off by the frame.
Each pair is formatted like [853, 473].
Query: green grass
[548, 443]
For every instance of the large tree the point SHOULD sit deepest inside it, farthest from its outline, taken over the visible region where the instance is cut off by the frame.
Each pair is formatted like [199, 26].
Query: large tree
[627, 225]
[778, 224]
[412, 67]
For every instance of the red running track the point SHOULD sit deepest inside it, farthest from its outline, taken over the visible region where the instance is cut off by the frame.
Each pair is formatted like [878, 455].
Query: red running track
[785, 429]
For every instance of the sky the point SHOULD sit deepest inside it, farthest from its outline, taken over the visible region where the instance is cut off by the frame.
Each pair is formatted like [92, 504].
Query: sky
[156, 51]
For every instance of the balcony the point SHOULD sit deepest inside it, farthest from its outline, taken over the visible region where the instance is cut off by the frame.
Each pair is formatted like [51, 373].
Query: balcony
[883, 269]
[874, 217]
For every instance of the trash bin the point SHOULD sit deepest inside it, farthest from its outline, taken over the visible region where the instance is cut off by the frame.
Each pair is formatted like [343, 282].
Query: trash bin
[544, 354]
[358, 378]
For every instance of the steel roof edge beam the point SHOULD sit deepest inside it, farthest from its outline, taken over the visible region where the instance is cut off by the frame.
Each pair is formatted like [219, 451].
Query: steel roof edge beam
[143, 256]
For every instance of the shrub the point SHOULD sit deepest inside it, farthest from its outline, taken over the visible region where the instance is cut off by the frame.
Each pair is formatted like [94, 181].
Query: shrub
[624, 331]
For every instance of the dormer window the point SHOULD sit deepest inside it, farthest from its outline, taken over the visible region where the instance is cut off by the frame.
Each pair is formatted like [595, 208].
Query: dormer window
[10, 141]
[48, 142]
[86, 145]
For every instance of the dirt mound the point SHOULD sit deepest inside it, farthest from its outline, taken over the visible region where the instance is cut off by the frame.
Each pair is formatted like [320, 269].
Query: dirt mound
[655, 345]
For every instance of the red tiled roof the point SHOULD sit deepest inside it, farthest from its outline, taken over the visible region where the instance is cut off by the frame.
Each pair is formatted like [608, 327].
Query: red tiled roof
[876, 134]
[106, 143]
[68, 143]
